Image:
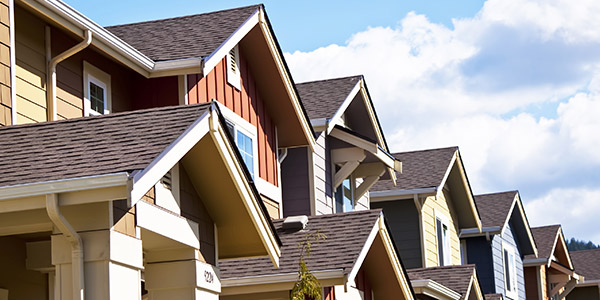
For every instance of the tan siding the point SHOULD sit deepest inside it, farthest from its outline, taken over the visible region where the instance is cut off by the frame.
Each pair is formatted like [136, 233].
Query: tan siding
[5, 79]
[544, 283]
[430, 208]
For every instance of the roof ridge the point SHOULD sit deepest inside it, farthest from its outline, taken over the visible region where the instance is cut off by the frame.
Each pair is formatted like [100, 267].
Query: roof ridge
[547, 226]
[105, 116]
[496, 193]
[182, 17]
[426, 150]
[443, 267]
[358, 212]
[584, 250]
[331, 79]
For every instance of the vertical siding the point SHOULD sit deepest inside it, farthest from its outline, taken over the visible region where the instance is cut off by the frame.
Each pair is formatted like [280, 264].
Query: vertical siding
[294, 183]
[322, 176]
[247, 103]
[30, 67]
[403, 219]
[441, 206]
[5, 84]
[479, 252]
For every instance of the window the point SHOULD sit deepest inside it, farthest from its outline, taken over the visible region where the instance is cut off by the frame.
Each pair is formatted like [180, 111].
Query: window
[233, 67]
[244, 136]
[510, 271]
[96, 91]
[443, 241]
[344, 196]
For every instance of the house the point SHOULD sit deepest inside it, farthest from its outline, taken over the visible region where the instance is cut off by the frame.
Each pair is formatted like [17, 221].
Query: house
[350, 152]
[587, 263]
[551, 274]
[446, 282]
[151, 209]
[498, 250]
[356, 260]
[99, 210]
[427, 209]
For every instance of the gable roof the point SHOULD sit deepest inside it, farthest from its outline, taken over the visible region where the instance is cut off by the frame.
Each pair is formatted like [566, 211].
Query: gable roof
[346, 234]
[587, 263]
[494, 208]
[90, 146]
[420, 169]
[457, 278]
[184, 37]
[323, 98]
[545, 238]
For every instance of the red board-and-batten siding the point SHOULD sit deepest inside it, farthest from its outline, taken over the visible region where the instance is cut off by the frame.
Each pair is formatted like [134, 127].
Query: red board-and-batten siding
[246, 103]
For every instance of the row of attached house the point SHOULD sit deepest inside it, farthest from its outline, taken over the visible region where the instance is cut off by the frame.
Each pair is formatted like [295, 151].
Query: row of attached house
[177, 159]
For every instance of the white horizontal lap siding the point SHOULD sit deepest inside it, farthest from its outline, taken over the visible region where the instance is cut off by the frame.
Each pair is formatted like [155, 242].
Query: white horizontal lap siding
[322, 177]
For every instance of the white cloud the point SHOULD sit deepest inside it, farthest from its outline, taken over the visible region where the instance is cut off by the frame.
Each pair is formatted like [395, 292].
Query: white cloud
[516, 87]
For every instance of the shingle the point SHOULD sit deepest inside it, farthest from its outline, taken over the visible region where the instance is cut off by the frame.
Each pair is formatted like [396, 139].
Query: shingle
[544, 238]
[494, 208]
[587, 263]
[183, 37]
[456, 278]
[323, 98]
[420, 169]
[346, 234]
[493, 296]
[120, 142]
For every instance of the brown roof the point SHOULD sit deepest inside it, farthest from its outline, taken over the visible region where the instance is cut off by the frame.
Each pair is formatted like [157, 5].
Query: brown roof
[494, 208]
[493, 296]
[323, 98]
[456, 278]
[120, 142]
[587, 263]
[420, 169]
[544, 238]
[183, 37]
[346, 234]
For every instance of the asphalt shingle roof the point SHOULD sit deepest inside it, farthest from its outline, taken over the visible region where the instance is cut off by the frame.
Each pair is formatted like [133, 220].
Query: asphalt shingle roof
[420, 169]
[493, 296]
[587, 263]
[456, 278]
[346, 234]
[183, 37]
[120, 142]
[323, 98]
[544, 238]
[494, 208]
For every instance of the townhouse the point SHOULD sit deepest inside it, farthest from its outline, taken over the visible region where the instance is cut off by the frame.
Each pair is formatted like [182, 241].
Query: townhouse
[550, 275]
[586, 263]
[429, 207]
[499, 249]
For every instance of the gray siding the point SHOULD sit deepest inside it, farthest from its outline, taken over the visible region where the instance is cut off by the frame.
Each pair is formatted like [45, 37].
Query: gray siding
[322, 176]
[294, 183]
[585, 293]
[403, 219]
[479, 253]
[507, 238]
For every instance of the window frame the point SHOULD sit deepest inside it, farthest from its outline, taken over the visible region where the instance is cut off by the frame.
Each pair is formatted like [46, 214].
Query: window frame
[92, 74]
[352, 182]
[249, 130]
[508, 251]
[445, 259]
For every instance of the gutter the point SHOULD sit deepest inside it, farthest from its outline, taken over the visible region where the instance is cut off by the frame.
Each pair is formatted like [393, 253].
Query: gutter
[406, 193]
[76, 245]
[279, 278]
[51, 93]
[428, 284]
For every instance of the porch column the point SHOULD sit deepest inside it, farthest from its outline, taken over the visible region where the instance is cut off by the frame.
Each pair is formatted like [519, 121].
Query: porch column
[112, 265]
[180, 274]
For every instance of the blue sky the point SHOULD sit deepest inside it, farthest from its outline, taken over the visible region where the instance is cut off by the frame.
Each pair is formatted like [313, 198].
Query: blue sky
[514, 83]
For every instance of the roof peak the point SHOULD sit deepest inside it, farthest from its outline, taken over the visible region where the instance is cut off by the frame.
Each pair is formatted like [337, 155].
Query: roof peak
[332, 79]
[260, 5]
[497, 193]
[426, 150]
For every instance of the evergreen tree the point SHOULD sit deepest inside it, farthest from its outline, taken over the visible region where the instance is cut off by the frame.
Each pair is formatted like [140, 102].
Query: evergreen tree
[574, 244]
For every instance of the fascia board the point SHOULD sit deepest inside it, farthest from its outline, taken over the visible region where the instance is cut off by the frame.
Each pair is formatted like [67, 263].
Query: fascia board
[211, 61]
[194, 65]
[340, 111]
[363, 252]
[377, 196]
[373, 148]
[561, 237]
[535, 262]
[63, 185]
[279, 278]
[434, 289]
[77, 23]
[144, 180]
[372, 115]
[319, 124]
[473, 232]
[456, 159]
[519, 205]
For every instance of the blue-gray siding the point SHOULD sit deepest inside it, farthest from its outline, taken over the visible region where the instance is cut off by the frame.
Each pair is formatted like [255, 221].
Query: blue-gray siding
[403, 219]
[479, 253]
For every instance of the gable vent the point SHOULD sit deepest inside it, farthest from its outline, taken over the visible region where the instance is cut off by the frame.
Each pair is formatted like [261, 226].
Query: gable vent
[233, 67]
[166, 181]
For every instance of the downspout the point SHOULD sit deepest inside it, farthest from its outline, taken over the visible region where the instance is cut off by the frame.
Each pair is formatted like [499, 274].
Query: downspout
[76, 245]
[53, 62]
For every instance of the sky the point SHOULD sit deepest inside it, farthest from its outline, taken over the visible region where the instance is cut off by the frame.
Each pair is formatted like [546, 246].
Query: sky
[514, 83]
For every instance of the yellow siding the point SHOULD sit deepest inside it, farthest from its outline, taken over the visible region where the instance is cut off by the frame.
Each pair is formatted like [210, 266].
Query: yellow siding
[5, 84]
[430, 208]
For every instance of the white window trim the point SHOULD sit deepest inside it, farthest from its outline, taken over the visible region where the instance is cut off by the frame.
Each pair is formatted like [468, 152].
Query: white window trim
[463, 252]
[99, 78]
[353, 191]
[447, 243]
[234, 78]
[245, 127]
[512, 294]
